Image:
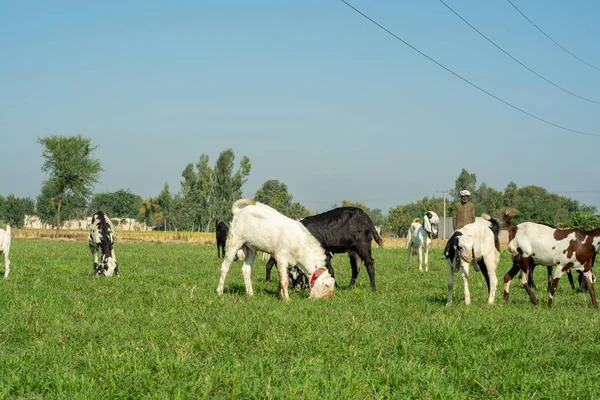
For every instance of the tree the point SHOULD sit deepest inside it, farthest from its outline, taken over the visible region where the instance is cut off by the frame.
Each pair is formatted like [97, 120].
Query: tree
[12, 211]
[73, 170]
[274, 194]
[164, 201]
[228, 184]
[122, 203]
[488, 200]
[150, 212]
[465, 181]
[510, 195]
[212, 191]
[73, 205]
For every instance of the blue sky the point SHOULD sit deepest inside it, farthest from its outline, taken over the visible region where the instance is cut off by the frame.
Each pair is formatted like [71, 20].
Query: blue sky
[314, 94]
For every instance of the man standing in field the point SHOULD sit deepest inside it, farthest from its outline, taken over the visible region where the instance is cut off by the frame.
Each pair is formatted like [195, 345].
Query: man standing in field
[464, 212]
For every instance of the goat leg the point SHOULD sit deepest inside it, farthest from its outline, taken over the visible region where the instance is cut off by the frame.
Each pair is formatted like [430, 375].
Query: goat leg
[592, 291]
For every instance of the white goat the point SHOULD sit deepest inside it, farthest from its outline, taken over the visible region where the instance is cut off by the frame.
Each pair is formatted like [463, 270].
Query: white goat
[475, 243]
[5, 238]
[565, 249]
[419, 237]
[256, 226]
[102, 238]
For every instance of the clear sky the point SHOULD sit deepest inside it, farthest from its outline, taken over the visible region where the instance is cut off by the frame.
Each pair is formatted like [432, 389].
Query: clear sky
[314, 94]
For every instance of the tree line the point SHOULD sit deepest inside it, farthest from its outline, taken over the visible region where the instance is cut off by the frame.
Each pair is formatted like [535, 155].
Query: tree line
[207, 192]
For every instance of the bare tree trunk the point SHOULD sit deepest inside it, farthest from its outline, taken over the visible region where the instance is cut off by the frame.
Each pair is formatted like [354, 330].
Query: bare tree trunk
[58, 214]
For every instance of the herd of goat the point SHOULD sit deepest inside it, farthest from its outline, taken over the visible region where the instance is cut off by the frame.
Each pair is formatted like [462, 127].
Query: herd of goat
[302, 250]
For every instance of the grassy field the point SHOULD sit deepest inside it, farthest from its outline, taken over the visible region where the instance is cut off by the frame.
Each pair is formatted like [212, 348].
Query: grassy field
[159, 331]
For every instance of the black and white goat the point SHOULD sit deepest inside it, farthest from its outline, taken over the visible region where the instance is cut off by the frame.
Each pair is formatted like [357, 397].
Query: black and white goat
[221, 234]
[419, 236]
[341, 230]
[256, 226]
[564, 249]
[5, 239]
[102, 238]
[475, 243]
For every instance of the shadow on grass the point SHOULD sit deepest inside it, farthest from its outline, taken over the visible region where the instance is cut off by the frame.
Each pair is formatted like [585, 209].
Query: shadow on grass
[235, 288]
[438, 300]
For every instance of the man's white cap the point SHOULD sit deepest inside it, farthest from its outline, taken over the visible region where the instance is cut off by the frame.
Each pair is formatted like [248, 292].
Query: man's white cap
[465, 193]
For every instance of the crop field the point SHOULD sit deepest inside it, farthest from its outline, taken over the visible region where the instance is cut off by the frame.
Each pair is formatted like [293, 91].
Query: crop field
[160, 331]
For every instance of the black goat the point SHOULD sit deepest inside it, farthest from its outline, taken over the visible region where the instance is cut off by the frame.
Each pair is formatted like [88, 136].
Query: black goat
[341, 230]
[221, 232]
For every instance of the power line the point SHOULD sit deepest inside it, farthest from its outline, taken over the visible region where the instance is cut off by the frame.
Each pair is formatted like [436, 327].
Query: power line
[516, 60]
[548, 36]
[468, 81]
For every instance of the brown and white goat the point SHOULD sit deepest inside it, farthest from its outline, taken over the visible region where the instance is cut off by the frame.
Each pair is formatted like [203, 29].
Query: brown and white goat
[565, 249]
[256, 226]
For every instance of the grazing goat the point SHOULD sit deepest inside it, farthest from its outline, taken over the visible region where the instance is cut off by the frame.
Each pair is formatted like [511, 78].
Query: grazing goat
[566, 249]
[341, 230]
[221, 233]
[256, 226]
[475, 243]
[5, 238]
[419, 237]
[102, 238]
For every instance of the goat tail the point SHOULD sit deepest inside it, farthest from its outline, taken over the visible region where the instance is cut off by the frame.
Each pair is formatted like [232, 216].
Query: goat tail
[508, 214]
[375, 234]
[8, 229]
[495, 227]
[241, 203]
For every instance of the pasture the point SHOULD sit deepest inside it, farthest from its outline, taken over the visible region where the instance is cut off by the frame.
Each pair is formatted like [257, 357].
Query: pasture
[160, 331]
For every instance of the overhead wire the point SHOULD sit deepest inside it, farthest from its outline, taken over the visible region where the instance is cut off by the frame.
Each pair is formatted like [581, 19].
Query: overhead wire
[465, 79]
[548, 36]
[515, 59]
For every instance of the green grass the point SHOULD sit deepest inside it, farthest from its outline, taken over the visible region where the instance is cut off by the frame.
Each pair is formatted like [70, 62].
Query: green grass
[160, 331]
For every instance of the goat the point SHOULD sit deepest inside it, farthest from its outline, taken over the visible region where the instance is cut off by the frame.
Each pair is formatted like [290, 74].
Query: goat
[341, 230]
[419, 237]
[102, 238]
[221, 230]
[566, 249]
[5, 239]
[256, 226]
[475, 243]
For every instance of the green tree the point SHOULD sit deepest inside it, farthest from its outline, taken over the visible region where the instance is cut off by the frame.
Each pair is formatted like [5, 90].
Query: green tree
[150, 212]
[12, 211]
[121, 204]
[274, 194]
[164, 201]
[509, 197]
[212, 191]
[488, 200]
[29, 205]
[465, 181]
[71, 167]
[228, 183]
[73, 205]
